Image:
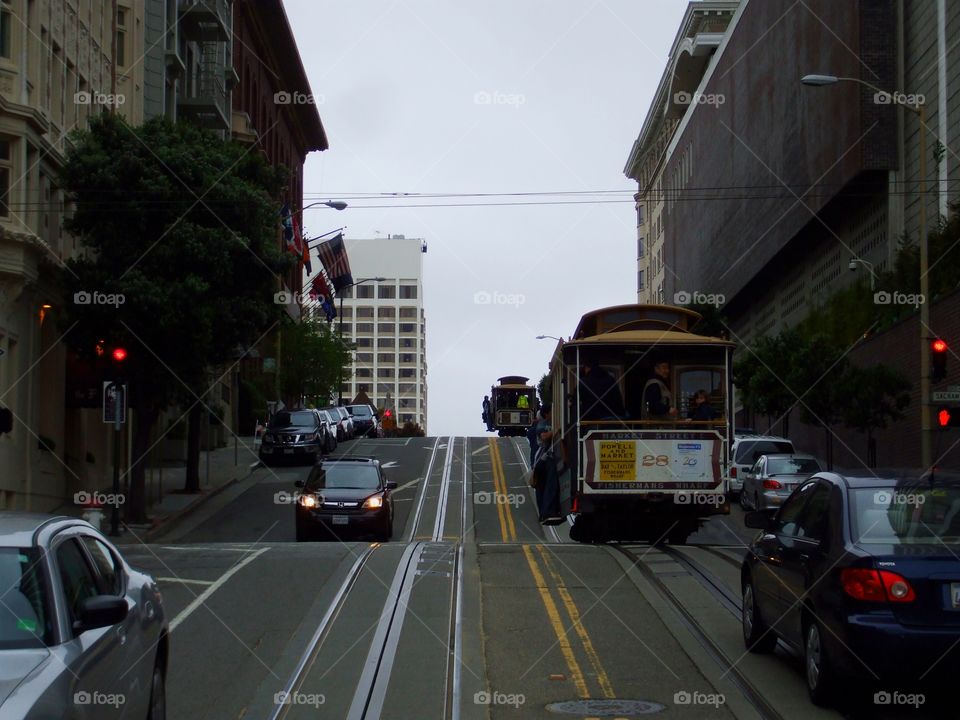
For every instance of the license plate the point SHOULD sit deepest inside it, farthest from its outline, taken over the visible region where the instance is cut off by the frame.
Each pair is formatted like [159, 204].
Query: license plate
[955, 595]
[288, 451]
[340, 520]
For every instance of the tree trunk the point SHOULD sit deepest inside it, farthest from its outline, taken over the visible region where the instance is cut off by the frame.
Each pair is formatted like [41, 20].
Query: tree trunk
[136, 503]
[194, 429]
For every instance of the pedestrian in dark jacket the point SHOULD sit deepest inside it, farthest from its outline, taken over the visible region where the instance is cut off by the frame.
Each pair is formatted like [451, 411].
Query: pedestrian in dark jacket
[599, 395]
[487, 413]
[548, 484]
[533, 439]
[657, 397]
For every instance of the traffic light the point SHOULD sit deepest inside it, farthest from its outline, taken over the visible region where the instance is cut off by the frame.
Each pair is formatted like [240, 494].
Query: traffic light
[119, 354]
[938, 359]
[948, 417]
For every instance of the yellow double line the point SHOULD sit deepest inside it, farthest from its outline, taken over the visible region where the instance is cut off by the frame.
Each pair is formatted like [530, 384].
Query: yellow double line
[508, 532]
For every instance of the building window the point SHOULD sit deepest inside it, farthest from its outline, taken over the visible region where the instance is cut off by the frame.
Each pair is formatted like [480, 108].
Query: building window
[406, 357]
[385, 357]
[385, 373]
[407, 343]
[386, 292]
[364, 328]
[365, 312]
[364, 342]
[385, 388]
[363, 372]
[365, 291]
[6, 169]
[408, 313]
[386, 312]
[121, 37]
[365, 358]
[386, 343]
[639, 214]
[385, 328]
[6, 50]
[641, 248]
[408, 373]
[408, 292]
[639, 279]
[408, 327]
[408, 389]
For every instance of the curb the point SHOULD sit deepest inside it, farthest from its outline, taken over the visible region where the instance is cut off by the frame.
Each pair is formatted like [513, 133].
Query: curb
[168, 521]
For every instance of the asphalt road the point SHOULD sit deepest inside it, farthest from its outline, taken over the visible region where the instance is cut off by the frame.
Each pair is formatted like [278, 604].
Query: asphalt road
[473, 610]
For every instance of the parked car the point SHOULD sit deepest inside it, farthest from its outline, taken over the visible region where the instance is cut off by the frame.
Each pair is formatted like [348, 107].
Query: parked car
[345, 429]
[773, 477]
[862, 576]
[293, 435]
[82, 634]
[343, 494]
[744, 453]
[329, 429]
[366, 423]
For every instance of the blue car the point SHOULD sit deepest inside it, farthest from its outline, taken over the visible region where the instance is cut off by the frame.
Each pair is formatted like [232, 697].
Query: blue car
[861, 575]
[83, 635]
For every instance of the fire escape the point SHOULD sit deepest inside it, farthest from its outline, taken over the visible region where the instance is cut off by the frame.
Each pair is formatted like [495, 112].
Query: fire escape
[205, 28]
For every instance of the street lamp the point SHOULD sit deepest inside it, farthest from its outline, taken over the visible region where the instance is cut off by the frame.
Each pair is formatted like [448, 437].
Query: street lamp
[896, 98]
[869, 266]
[550, 337]
[335, 204]
[340, 333]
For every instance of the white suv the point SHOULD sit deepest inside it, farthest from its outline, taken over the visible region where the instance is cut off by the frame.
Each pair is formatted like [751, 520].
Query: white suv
[745, 451]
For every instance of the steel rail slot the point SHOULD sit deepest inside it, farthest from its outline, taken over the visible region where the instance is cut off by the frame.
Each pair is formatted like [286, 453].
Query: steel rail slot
[372, 686]
[730, 600]
[736, 562]
[313, 647]
[444, 492]
[753, 695]
[458, 591]
[423, 491]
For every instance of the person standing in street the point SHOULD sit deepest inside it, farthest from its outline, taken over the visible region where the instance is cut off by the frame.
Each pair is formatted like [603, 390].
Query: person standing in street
[533, 439]
[545, 470]
[487, 413]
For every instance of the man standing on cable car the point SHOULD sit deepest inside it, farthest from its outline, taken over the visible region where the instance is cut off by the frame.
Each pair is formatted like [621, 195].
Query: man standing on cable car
[657, 397]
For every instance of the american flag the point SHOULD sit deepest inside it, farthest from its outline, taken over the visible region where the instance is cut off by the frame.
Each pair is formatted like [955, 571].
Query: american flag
[333, 255]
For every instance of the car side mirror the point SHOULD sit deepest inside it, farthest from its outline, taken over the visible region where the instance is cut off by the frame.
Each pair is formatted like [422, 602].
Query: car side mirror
[391, 484]
[299, 484]
[100, 611]
[760, 519]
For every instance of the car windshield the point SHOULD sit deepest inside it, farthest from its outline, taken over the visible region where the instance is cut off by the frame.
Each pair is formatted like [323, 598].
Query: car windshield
[748, 452]
[360, 410]
[345, 475]
[905, 516]
[288, 419]
[792, 466]
[24, 619]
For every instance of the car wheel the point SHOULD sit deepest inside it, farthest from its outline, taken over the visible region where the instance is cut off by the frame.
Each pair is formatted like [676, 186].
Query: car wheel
[756, 502]
[158, 696]
[821, 677]
[743, 501]
[756, 635]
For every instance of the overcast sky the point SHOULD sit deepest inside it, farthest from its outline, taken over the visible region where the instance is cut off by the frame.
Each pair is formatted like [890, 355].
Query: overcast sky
[504, 96]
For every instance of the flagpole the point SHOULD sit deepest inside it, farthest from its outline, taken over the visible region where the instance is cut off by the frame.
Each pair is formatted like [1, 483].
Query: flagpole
[317, 237]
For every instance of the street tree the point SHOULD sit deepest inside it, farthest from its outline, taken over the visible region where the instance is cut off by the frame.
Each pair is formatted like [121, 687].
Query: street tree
[873, 397]
[764, 376]
[183, 226]
[313, 361]
[819, 373]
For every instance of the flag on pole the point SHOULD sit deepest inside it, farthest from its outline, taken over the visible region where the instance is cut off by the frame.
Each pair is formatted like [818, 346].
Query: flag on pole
[286, 222]
[304, 248]
[320, 292]
[333, 255]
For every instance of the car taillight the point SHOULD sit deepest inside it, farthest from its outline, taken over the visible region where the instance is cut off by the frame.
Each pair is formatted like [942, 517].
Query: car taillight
[733, 471]
[876, 585]
[772, 485]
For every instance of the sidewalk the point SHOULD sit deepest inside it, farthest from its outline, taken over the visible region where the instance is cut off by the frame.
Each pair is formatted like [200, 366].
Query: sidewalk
[166, 501]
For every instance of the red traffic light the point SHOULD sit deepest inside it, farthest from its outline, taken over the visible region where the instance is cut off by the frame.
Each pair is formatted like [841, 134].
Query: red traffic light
[938, 346]
[119, 354]
[943, 417]
[386, 413]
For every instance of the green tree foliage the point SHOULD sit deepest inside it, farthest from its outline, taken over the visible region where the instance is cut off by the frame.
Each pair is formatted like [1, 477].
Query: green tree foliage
[184, 226]
[712, 321]
[545, 388]
[765, 376]
[312, 360]
[873, 396]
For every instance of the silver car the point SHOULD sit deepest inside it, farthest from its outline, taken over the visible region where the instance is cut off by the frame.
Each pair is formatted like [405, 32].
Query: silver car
[82, 634]
[773, 477]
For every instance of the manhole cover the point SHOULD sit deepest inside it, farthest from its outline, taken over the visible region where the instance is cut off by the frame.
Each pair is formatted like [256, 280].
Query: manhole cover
[606, 708]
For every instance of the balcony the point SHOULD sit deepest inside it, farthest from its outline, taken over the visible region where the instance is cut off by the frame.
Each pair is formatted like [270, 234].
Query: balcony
[205, 102]
[205, 20]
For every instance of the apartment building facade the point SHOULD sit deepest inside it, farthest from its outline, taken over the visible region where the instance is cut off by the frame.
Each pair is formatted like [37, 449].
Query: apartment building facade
[386, 322]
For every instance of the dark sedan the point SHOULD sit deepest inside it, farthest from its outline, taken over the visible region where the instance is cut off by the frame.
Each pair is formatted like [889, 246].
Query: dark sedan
[293, 435]
[365, 421]
[82, 634]
[862, 576]
[345, 494]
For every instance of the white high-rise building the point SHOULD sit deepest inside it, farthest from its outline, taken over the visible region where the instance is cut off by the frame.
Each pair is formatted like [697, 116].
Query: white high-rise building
[386, 321]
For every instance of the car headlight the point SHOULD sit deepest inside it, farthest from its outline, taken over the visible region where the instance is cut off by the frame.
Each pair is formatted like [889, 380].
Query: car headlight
[310, 437]
[308, 501]
[373, 502]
